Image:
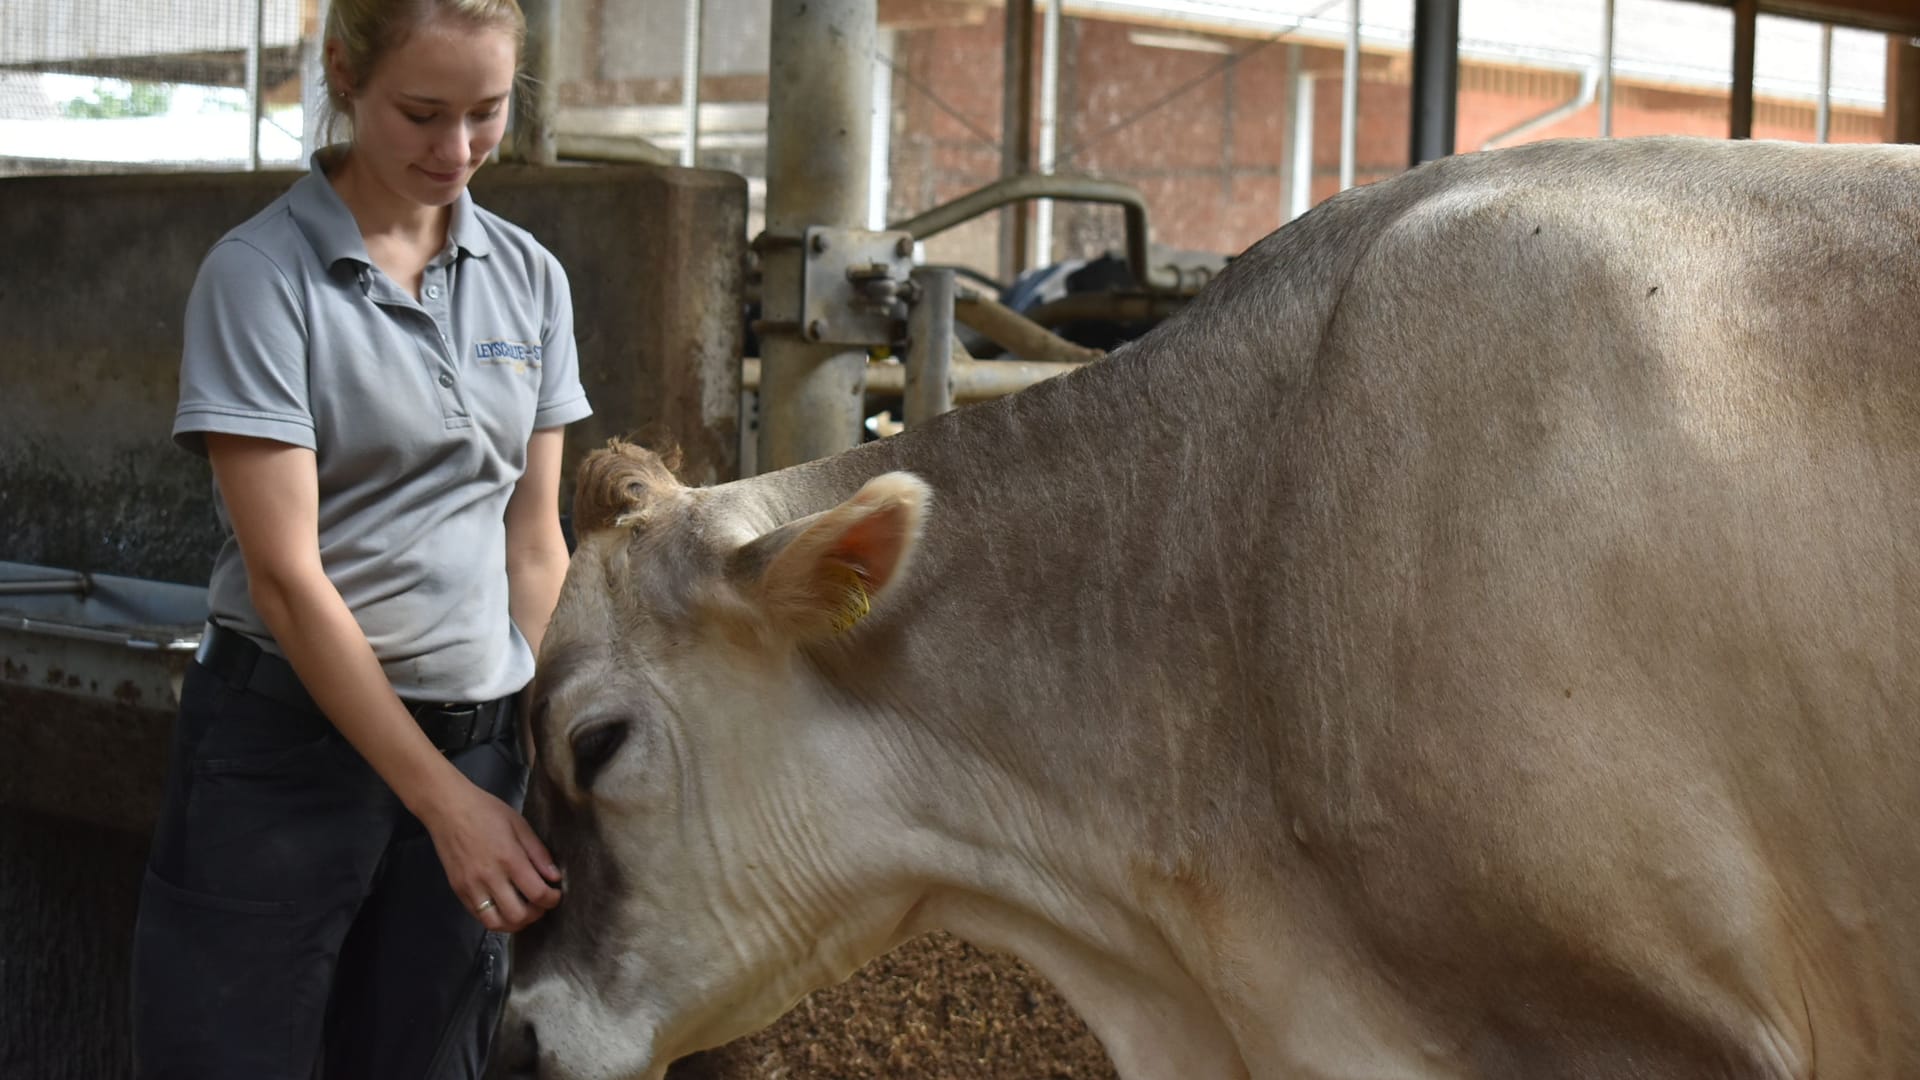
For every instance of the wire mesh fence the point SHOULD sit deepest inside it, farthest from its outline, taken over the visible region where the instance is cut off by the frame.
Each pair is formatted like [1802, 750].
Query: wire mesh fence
[153, 83]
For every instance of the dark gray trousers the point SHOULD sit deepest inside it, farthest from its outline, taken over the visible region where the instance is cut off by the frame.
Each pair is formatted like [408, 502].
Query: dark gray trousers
[295, 922]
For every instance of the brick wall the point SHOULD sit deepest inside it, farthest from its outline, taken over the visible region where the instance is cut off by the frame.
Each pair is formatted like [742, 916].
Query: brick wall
[1213, 160]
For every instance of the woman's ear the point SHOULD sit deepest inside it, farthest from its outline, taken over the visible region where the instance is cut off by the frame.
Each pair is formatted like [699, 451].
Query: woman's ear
[339, 79]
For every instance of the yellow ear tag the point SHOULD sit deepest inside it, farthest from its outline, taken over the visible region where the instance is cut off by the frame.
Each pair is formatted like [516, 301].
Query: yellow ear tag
[854, 603]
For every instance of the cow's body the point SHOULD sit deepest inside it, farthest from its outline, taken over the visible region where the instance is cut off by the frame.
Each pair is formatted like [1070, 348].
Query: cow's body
[1476, 639]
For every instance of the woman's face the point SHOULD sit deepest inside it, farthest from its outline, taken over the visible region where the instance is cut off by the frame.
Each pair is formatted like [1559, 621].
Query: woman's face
[433, 109]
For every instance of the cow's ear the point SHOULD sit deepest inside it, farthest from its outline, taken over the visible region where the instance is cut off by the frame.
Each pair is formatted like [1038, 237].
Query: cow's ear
[819, 576]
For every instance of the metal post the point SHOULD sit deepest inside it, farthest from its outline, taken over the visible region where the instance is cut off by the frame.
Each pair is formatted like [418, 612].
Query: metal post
[535, 139]
[879, 175]
[1436, 77]
[819, 110]
[929, 347]
[1823, 107]
[256, 109]
[1049, 129]
[1350, 97]
[1900, 123]
[1606, 72]
[1746, 14]
[313, 94]
[1300, 197]
[690, 83]
[1016, 131]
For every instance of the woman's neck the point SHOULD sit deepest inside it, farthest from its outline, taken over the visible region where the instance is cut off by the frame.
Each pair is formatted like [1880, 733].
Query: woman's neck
[385, 218]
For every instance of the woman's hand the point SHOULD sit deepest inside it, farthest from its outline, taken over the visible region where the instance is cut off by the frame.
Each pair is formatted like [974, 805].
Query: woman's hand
[490, 854]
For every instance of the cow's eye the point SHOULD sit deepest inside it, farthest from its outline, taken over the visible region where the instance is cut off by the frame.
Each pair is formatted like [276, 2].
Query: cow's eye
[593, 748]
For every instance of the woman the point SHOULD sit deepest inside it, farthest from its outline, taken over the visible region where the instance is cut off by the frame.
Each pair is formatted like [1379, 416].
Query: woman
[379, 372]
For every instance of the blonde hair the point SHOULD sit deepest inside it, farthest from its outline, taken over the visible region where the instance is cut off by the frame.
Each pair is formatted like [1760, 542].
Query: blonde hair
[368, 30]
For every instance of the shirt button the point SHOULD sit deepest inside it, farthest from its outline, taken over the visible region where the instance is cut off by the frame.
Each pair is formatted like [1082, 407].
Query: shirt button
[446, 380]
[433, 292]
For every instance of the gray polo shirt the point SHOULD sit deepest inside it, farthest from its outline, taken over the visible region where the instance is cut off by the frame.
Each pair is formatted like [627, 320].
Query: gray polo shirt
[418, 412]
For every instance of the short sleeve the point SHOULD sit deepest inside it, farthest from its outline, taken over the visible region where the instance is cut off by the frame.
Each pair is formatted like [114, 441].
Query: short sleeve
[562, 399]
[243, 365]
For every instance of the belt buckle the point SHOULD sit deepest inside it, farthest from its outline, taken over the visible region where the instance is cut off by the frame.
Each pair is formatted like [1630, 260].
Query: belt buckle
[452, 723]
[468, 720]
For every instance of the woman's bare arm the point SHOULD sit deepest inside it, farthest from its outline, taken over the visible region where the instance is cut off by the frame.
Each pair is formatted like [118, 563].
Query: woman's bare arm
[271, 493]
[536, 548]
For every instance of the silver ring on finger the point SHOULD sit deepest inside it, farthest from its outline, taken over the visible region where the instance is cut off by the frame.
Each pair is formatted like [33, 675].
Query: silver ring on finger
[482, 907]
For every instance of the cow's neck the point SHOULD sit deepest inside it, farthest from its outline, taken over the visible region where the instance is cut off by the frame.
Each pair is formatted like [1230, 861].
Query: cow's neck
[1086, 624]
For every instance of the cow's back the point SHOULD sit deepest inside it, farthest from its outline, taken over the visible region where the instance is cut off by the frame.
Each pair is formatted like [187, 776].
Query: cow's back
[1605, 544]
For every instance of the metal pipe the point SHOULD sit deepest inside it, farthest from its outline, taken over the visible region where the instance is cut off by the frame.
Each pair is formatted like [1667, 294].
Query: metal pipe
[973, 380]
[879, 174]
[1436, 78]
[984, 380]
[1582, 97]
[1016, 130]
[1300, 199]
[1015, 332]
[1823, 107]
[1350, 97]
[1606, 72]
[690, 82]
[535, 140]
[313, 93]
[819, 113]
[1746, 14]
[1032, 186]
[929, 375]
[1049, 129]
[1106, 307]
[79, 586]
[256, 108]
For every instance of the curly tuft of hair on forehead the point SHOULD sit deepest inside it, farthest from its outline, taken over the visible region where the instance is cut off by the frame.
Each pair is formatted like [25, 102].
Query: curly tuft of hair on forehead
[615, 484]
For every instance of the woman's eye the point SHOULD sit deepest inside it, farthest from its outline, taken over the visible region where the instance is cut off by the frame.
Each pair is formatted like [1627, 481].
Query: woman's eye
[488, 115]
[428, 119]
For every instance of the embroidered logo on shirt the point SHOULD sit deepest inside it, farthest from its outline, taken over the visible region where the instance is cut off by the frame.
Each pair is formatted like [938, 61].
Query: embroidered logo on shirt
[521, 355]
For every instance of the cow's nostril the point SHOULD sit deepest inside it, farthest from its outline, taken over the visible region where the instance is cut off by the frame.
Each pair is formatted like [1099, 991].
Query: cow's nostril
[517, 1055]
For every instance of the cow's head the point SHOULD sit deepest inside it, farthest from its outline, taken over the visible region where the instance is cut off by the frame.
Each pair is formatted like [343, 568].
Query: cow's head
[712, 804]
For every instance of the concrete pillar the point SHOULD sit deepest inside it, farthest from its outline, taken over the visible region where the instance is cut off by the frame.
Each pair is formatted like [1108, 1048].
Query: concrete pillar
[819, 137]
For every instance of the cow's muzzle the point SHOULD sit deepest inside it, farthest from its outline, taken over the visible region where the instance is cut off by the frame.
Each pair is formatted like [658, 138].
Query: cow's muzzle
[516, 1052]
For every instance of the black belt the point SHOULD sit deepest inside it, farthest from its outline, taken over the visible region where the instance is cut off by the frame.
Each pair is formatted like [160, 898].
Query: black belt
[452, 726]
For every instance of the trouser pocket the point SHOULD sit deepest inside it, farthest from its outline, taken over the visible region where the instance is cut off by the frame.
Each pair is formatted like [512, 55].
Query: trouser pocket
[462, 1051]
[215, 990]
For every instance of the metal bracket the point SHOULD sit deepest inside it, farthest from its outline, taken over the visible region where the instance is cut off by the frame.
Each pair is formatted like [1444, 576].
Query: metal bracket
[851, 290]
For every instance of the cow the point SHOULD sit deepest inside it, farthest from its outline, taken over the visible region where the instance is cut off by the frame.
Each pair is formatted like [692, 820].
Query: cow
[1478, 637]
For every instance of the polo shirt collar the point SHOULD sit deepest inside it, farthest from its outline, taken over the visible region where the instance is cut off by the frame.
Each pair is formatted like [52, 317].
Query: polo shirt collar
[329, 226]
[326, 221]
[465, 230]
